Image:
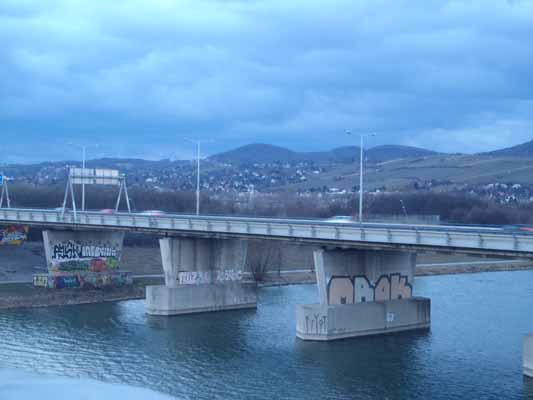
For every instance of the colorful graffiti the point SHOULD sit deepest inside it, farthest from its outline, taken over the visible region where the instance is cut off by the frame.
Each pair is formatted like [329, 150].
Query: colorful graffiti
[359, 289]
[83, 280]
[83, 260]
[14, 235]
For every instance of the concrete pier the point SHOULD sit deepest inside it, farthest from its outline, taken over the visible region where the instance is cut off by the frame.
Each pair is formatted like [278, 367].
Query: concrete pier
[362, 292]
[201, 275]
[83, 259]
[528, 356]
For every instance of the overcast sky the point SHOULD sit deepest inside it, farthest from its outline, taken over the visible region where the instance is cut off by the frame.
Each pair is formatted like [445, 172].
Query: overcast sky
[137, 77]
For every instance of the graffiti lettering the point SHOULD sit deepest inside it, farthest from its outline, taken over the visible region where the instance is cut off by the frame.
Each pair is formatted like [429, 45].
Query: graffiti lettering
[359, 289]
[316, 324]
[71, 250]
[203, 277]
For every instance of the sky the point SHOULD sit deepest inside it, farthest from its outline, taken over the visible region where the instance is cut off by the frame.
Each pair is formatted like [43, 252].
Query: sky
[138, 77]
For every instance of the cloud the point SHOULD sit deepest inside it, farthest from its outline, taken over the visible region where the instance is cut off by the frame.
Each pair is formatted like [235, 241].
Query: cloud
[139, 75]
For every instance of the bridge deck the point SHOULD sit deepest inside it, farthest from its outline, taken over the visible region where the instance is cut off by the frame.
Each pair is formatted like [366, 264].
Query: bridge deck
[472, 240]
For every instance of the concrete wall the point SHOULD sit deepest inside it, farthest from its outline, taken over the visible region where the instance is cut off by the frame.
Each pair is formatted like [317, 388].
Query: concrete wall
[84, 259]
[200, 261]
[188, 299]
[354, 276]
[528, 356]
[326, 322]
[201, 275]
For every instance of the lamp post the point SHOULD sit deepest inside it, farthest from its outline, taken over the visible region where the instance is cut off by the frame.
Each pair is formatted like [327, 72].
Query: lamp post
[361, 172]
[198, 144]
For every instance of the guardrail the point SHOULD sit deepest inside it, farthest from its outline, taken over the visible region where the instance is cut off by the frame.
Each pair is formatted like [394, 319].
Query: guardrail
[438, 237]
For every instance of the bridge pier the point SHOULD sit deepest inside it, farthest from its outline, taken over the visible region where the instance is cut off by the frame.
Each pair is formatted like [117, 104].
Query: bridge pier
[528, 356]
[82, 259]
[201, 275]
[362, 292]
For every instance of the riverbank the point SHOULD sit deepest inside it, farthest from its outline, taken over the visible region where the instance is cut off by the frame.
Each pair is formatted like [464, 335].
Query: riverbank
[18, 264]
[25, 295]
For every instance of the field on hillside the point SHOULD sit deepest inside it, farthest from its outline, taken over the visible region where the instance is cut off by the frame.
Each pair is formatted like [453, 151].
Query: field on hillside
[446, 171]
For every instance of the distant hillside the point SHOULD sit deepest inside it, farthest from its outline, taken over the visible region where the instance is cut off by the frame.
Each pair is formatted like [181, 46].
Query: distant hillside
[394, 152]
[521, 150]
[256, 153]
[266, 153]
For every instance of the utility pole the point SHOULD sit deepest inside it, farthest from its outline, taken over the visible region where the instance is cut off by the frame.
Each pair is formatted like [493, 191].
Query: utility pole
[361, 170]
[198, 151]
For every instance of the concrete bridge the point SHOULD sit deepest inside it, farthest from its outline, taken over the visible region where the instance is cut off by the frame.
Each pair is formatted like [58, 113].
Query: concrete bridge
[365, 272]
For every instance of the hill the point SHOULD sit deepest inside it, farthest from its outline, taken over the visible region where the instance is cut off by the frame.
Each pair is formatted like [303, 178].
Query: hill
[256, 153]
[395, 152]
[266, 153]
[521, 150]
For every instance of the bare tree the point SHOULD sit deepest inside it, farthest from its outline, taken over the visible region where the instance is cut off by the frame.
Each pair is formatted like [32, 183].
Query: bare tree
[263, 255]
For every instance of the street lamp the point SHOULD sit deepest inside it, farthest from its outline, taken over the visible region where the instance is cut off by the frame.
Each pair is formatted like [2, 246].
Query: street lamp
[84, 154]
[198, 144]
[361, 136]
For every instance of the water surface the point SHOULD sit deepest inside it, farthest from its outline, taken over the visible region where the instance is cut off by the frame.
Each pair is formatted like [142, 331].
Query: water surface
[473, 349]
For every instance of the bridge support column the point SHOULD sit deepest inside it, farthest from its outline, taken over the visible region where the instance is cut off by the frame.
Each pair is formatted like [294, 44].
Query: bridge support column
[83, 259]
[201, 275]
[528, 355]
[362, 292]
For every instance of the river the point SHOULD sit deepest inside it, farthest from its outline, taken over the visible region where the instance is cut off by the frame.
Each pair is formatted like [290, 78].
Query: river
[473, 349]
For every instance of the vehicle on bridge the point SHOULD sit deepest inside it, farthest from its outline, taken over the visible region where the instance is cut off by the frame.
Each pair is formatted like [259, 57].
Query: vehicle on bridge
[153, 213]
[342, 219]
[518, 228]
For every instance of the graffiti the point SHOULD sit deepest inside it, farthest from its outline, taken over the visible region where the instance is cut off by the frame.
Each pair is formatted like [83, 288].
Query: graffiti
[341, 291]
[359, 289]
[84, 280]
[195, 277]
[400, 287]
[83, 260]
[382, 289]
[316, 324]
[71, 256]
[363, 290]
[14, 235]
[61, 282]
[40, 280]
[72, 250]
[98, 280]
[205, 277]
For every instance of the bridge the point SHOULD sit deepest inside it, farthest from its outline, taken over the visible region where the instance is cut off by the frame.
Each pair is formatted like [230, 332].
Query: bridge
[365, 271]
[450, 238]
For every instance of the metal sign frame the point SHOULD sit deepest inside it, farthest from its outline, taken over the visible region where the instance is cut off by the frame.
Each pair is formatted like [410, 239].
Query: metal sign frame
[5, 191]
[84, 176]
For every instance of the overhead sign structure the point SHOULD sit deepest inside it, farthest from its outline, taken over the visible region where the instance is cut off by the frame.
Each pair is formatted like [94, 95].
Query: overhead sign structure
[95, 176]
[5, 192]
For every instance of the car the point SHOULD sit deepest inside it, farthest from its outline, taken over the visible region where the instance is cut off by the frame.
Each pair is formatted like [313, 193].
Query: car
[153, 213]
[518, 228]
[342, 219]
[107, 211]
